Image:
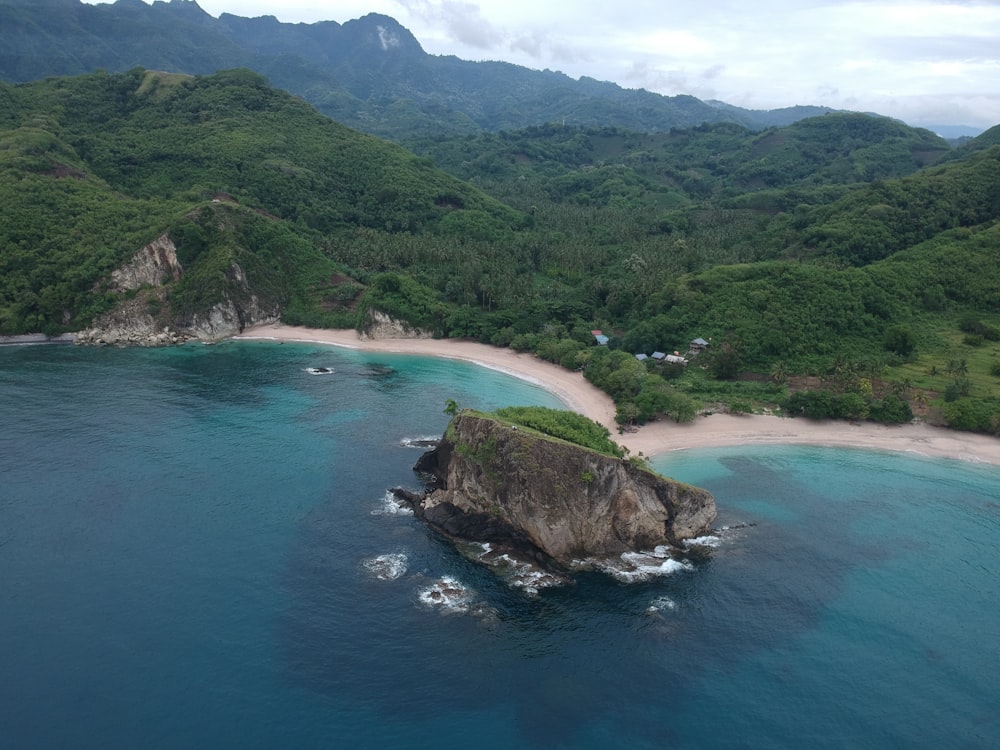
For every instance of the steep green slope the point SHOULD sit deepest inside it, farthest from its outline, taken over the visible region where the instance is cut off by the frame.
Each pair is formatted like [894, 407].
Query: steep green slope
[721, 160]
[840, 148]
[43, 38]
[886, 217]
[92, 168]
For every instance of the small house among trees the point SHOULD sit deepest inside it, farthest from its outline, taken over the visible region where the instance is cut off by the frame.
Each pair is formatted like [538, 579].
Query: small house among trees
[661, 358]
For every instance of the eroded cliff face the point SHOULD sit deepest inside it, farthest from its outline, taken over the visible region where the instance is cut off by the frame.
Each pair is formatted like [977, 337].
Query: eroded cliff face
[152, 265]
[379, 325]
[494, 482]
[238, 308]
[145, 318]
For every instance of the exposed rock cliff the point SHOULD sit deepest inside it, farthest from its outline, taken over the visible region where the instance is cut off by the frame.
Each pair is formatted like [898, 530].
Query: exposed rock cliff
[132, 324]
[238, 308]
[550, 500]
[144, 317]
[378, 325]
[152, 265]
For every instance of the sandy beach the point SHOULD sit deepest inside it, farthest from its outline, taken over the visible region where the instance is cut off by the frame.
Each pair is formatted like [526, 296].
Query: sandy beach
[715, 430]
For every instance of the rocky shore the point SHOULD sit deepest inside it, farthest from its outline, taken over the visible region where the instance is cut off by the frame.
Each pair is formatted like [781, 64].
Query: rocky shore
[143, 315]
[548, 503]
[130, 337]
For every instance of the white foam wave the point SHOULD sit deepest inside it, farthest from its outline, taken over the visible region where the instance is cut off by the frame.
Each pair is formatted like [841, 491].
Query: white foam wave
[391, 506]
[320, 370]
[525, 576]
[703, 541]
[642, 566]
[662, 604]
[475, 550]
[423, 442]
[387, 567]
[447, 594]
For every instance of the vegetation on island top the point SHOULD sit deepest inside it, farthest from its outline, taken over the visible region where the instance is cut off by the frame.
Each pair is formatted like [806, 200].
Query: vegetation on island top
[847, 255]
[558, 423]
[564, 425]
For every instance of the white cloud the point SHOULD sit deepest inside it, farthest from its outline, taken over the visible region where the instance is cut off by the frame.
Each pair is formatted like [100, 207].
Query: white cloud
[462, 22]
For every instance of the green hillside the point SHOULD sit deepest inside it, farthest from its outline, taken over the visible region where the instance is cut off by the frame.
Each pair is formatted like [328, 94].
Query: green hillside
[855, 242]
[844, 266]
[92, 168]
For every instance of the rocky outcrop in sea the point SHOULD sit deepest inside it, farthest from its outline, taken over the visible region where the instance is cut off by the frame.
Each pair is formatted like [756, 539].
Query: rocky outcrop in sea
[548, 503]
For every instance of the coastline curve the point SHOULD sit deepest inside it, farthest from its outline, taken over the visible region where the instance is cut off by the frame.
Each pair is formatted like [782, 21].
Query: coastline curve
[712, 431]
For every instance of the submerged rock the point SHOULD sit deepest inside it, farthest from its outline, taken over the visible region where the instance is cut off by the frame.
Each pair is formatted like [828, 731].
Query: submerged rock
[548, 501]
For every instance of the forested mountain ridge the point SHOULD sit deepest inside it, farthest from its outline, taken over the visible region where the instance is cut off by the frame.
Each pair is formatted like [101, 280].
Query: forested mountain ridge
[369, 73]
[718, 161]
[882, 291]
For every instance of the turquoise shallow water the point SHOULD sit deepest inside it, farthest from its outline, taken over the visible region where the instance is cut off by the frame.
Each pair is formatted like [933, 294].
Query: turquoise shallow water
[191, 544]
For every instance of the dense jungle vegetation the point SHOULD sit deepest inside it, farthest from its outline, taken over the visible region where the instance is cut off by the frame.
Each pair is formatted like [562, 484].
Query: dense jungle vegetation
[841, 266]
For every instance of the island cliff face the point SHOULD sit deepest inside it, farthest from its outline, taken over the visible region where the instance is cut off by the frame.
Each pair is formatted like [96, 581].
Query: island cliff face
[494, 482]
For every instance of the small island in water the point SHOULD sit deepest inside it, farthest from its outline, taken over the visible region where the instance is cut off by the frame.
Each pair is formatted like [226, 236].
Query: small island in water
[543, 491]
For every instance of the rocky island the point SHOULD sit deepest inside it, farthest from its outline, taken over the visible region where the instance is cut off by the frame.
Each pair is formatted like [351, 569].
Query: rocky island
[535, 498]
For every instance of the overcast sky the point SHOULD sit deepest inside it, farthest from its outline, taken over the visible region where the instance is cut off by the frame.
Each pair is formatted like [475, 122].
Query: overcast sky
[921, 61]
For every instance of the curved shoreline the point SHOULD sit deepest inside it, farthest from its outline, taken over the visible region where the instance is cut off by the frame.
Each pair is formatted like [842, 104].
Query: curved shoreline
[714, 431]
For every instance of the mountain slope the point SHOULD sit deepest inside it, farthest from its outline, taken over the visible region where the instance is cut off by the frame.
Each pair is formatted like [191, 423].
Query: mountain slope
[369, 73]
[93, 168]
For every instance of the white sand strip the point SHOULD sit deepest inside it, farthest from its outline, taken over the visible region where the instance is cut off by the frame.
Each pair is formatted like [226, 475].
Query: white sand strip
[716, 430]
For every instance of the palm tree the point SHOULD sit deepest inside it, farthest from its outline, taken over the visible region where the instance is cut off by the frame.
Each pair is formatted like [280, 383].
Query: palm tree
[779, 372]
[902, 387]
[957, 368]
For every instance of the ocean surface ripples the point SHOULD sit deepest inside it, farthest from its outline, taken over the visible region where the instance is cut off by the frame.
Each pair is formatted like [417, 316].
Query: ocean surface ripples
[198, 549]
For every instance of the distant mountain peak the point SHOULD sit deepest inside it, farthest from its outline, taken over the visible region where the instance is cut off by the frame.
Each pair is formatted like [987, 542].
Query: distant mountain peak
[388, 32]
[182, 5]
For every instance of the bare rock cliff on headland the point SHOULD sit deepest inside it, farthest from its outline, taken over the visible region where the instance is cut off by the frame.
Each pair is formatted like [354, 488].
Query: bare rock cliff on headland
[551, 500]
[151, 266]
[143, 315]
[378, 325]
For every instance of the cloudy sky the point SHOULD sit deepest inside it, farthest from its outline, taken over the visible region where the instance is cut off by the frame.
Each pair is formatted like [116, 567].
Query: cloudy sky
[923, 61]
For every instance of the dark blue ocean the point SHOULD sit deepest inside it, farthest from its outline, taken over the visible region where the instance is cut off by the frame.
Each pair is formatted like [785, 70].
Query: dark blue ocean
[196, 551]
